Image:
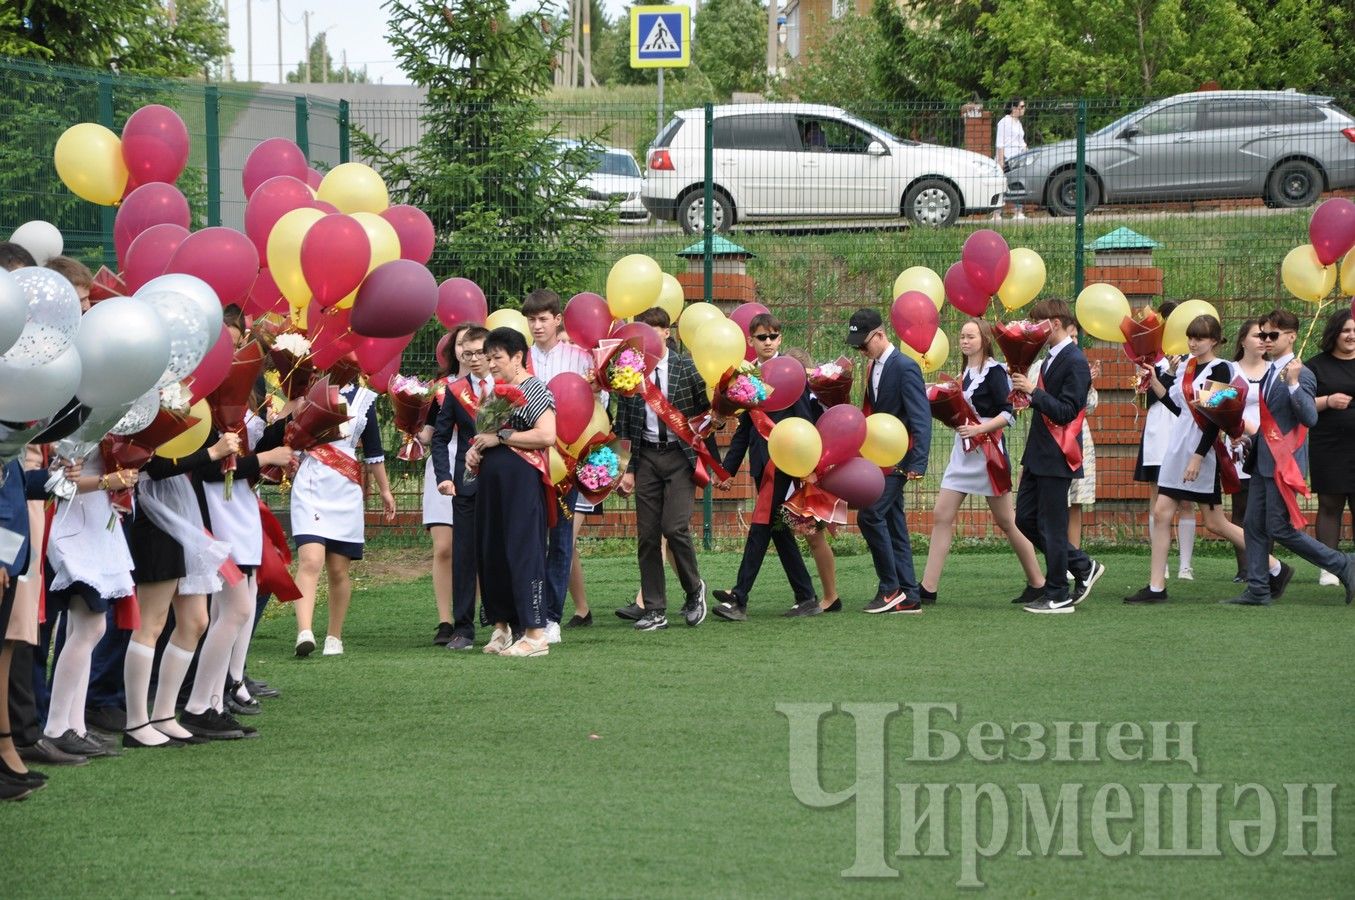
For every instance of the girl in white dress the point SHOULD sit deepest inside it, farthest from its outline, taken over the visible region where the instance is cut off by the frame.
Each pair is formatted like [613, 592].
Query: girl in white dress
[437, 509]
[1249, 359]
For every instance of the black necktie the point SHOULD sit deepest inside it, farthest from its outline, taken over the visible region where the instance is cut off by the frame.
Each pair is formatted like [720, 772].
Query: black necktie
[663, 432]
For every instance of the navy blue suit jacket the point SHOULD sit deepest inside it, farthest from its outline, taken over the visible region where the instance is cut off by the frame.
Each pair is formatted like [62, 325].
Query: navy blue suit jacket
[453, 418]
[748, 441]
[903, 395]
[1066, 382]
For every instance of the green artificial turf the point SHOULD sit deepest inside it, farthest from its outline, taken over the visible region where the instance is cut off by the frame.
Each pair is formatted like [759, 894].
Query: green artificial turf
[629, 764]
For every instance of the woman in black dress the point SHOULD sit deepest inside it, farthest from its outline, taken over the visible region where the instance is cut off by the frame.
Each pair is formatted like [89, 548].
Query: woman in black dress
[1331, 450]
[510, 514]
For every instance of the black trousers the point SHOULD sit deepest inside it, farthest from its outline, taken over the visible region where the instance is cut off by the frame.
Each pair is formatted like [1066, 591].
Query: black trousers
[664, 496]
[465, 578]
[787, 550]
[23, 705]
[510, 530]
[1042, 516]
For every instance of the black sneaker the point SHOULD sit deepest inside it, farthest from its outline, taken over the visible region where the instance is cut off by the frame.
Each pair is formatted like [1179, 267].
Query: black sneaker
[210, 725]
[731, 610]
[694, 610]
[578, 621]
[1083, 585]
[835, 606]
[808, 607]
[1030, 595]
[925, 596]
[1043, 606]
[1278, 583]
[885, 603]
[1147, 595]
[652, 620]
[444, 634]
[630, 612]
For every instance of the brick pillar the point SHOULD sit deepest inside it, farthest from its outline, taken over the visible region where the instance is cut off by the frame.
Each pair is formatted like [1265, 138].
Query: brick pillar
[978, 129]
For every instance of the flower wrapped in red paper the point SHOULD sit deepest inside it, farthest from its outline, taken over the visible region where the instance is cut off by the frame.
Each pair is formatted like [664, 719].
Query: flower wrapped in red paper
[952, 408]
[832, 382]
[496, 409]
[1223, 404]
[319, 419]
[411, 399]
[1021, 342]
[133, 451]
[291, 357]
[230, 401]
[600, 467]
[741, 388]
[106, 284]
[1143, 333]
[622, 365]
[811, 508]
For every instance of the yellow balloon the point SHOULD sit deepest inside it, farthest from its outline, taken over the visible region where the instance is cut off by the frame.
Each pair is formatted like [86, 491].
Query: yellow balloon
[354, 188]
[1025, 279]
[510, 318]
[284, 253]
[1174, 331]
[1348, 274]
[385, 244]
[672, 298]
[716, 347]
[633, 285]
[936, 354]
[558, 471]
[599, 424]
[1305, 277]
[89, 160]
[886, 440]
[795, 446]
[191, 440]
[1100, 310]
[920, 278]
[695, 316]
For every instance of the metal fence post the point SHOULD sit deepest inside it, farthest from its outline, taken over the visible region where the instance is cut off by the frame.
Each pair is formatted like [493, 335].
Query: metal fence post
[303, 138]
[1079, 229]
[212, 110]
[708, 266]
[107, 214]
[343, 131]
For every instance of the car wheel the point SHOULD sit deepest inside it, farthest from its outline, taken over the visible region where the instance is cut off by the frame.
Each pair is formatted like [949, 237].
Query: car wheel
[932, 202]
[692, 212]
[1061, 195]
[1294, 182]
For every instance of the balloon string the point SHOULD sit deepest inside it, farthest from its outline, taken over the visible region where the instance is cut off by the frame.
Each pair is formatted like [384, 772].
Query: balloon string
[1311, 325]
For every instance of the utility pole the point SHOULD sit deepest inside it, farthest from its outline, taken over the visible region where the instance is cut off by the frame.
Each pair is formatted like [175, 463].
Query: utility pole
[345, 66]
[771, 38]
[282, 75]
[249, 39]
[226, 73]
[587, 43]
[306, 17]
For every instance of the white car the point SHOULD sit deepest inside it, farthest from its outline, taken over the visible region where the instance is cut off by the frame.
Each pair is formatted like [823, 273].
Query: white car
[613, 177]
[800, 160]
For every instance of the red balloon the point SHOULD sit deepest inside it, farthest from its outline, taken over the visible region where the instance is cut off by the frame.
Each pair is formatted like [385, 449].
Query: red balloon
[1331, 231]
[649, 335]
[314, 176]
[962, 293]
[414, 229]
[460, 300]
[330, 334]
[273, 157]
[857, 481]
[986, 259]
[265, 296]
[588, 319]
[443, 353]
[741, 316]
[147, 206]
[843, 430]
[373, 354]
[271, 201]
[214, 368]
[915, 320]
[574, 405]
[154, 146]
[150, 253]
[335, 254]
[380, 381]
[786, 377]
[222, 257]
[397, 298]
[326, 207]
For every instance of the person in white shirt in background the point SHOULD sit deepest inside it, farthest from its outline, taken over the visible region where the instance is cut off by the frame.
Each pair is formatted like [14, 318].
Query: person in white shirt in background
[1011, 140]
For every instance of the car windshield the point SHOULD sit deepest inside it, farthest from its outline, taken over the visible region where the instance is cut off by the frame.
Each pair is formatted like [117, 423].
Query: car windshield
[607, 162]
[1115, 126]
[876, 130]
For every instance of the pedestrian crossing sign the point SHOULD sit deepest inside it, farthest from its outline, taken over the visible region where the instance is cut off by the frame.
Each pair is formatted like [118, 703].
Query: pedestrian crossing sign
[659, 37]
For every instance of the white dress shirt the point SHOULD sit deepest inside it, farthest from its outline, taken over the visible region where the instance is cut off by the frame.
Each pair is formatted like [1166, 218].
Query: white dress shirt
[651, 419]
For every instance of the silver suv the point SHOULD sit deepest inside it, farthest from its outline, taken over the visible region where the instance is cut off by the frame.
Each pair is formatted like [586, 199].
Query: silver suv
[1284, 147]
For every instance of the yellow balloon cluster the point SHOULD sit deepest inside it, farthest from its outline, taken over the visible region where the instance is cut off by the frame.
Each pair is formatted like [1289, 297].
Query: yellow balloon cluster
[672, 298]
[89, 161]
[1305, 277]
[886, 440]
[510, 318]
[284, 254]
[696, 315]
[1174, 342]
[923, 280]
[354, 188]
[717, 346]
[795, 446]
[1025, 279]
[1100, 310]
[936, 354]
[191, 440]
[633, 285]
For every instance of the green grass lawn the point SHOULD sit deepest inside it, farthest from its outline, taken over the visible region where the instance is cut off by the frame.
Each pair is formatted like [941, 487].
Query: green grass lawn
[630, 764]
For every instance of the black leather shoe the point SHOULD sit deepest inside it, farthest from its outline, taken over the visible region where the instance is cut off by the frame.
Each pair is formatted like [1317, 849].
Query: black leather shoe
[45, 751]
[17, 792]
[444, 634]
[29, 777]
[631, 612]
[261, 689]
[240, 708]
[578, 621]
[83, 745]
[210, 725]
[108, 719]
[1279, 582]
[130, 741]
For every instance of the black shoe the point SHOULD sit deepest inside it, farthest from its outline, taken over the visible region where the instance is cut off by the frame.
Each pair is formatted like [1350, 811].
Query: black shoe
[631, 612]
[884, 603]
[1083, 585]
[808, 607]
[230, 721]
[83, 745]
[730, 610]
[1246, 598]
[131, 742]
[578, 621]
[444, 634]
[694, 610]
[108, 719]
[1030, 595]
[1239, 578]
[261, 689]
[192, 739]
[17, 792]
[1147, 595]
[835, 606]
[1044, 606]
[460, 642]
[29, 777]
[1278, 583]
[43, 750]
[926, 597]
[652, 620]
[210, 725]
[240, 707]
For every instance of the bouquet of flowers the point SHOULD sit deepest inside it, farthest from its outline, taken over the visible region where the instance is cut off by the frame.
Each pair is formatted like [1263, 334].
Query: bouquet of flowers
[951, 408]
[230, 401]
[120, 450]
[1021, 342]
[291, 357]
[495, 411]
[411, 399]
[1143, 342]
[832, 382]
[1223, 405]
[740, 388]
[321, 417]
[811, 508]
[599, 470]
[622, 365]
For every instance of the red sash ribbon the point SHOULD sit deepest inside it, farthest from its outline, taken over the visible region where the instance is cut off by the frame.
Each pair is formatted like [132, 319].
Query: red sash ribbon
[762, 510]
[1228, 478]
[339, 461]
[1288, 479]
[465, 395]
[999, 469]
[1066, 436]
[679, 426]
[273, 576]
[539, 460]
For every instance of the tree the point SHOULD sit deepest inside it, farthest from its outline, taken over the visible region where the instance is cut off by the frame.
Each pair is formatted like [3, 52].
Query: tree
[502, 190]
[730, 45]
[934, 49]
[320, 67]
[839, 70]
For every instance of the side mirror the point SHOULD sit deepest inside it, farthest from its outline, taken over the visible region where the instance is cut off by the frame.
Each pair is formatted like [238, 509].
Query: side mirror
[877, 149]
[1130, 133]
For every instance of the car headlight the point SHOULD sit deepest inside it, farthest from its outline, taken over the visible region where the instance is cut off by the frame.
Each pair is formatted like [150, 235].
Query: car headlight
[1022, 162]
[985, 166]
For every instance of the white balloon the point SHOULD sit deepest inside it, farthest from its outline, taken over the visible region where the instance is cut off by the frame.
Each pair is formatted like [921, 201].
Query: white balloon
[124, 349]
[42, 239]
[52, 317]
[31, 392]
[143, 412]
[186, 325]
[193, 287]
[13, 311]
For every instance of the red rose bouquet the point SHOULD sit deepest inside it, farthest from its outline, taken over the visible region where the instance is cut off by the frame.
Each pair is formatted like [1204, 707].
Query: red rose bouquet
[951, 408]
[832, 382]
[411, 399]
[1021, 343]
[319, 419]
[1143, 341]
[230, 401]
[495, 411]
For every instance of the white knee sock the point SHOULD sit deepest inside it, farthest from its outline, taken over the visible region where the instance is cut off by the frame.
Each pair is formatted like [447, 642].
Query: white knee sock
[70, 679]
[173, 667]
[1185, 538]
[230, 612]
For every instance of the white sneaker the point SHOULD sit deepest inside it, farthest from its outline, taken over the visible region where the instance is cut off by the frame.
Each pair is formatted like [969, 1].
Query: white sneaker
[1185, 573]
[1019, 214]
[1327, 579]
[305, 643]
[333, 646]
[552, 632]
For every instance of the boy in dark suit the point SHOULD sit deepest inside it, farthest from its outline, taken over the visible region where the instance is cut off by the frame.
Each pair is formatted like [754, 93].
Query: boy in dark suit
[894, 386]
[457, 417]
[1053, 458]
[764, 336]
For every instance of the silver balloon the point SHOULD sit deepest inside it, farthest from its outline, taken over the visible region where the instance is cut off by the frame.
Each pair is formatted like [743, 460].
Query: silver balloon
[31, 392]
[195, 289]
[13, 311]
[143, 412]
[41, 239]
[124, 346]
[187, 328]
[52, 317]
